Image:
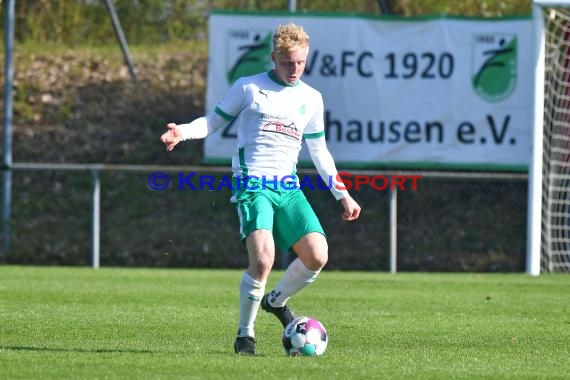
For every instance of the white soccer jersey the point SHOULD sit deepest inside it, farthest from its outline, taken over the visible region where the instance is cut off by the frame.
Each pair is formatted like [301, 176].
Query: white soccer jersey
[271, 120]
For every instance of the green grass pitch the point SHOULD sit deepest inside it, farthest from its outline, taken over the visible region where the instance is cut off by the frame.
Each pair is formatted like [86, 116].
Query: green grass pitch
[80, 323]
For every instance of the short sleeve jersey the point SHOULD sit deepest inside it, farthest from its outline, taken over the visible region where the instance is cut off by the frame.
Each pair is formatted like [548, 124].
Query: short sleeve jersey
[271, 119]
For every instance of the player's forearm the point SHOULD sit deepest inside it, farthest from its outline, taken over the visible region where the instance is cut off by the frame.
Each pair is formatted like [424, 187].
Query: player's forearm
[201, 127]
[326, 167]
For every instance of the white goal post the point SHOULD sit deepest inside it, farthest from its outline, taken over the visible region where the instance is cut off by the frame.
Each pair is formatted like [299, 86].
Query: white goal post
[548, 233]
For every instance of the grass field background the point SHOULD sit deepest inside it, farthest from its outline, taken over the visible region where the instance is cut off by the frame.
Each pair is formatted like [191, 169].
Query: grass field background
[80, 323]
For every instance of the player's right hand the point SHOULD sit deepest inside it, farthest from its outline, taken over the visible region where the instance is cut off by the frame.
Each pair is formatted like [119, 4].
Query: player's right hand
[171, 137]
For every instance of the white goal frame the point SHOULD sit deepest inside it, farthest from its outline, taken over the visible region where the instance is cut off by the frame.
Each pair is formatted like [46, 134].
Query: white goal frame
[534, 227]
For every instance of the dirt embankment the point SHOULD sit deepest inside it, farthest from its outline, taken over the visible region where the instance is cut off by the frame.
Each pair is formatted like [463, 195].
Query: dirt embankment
[77, 107]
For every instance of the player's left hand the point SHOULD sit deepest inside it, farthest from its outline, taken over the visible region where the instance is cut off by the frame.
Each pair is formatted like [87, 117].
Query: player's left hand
[351, 208]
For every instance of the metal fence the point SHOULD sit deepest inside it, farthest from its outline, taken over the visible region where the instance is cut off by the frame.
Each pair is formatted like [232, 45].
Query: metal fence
[66, 214]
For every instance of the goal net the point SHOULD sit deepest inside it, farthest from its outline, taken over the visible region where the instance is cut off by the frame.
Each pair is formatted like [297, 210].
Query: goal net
[552, 138]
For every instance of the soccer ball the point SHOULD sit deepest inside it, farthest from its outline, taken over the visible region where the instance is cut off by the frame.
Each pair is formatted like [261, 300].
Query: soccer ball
[305, 336]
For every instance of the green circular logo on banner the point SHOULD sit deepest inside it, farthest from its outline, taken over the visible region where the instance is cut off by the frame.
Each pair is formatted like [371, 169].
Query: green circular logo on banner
[495, 66]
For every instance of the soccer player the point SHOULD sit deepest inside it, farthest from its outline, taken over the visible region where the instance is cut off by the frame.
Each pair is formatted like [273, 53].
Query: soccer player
[273, 111]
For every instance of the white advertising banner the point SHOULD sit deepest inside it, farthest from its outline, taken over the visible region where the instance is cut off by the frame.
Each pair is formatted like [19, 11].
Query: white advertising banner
[420, 93]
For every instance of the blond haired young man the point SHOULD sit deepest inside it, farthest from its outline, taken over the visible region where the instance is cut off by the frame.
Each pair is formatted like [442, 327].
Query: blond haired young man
[273, 111]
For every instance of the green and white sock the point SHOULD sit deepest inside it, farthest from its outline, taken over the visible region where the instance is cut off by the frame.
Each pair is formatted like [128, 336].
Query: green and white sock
[296, 277]
[250, 293]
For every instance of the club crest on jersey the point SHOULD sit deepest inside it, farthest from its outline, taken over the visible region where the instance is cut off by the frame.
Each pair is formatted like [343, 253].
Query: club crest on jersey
[280, 127]
[494, 66]
[248, 53]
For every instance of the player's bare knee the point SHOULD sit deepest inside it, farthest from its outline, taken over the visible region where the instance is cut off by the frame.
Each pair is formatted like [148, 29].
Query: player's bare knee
[317, 259]
[260, 269]
[260, 264]
[321, 259]
[323, 253]
[312, 249]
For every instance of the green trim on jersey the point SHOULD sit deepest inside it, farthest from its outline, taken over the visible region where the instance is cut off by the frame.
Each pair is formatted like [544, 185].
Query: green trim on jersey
[316, 135]
[279, 81]
[270, 121]
[242, 164]
[223, 114]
